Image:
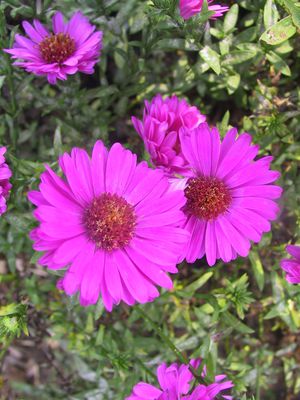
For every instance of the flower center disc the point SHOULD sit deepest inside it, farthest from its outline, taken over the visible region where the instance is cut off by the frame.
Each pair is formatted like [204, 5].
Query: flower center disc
[110, 221]
[207, 197]
[57, 48]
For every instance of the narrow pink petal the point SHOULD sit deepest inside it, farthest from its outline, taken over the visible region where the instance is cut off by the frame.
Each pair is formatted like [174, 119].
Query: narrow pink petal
[120, 166]
[34, 35]
[238, 242]
[92, 278]
[196, 247]
[98, 166]
[112, 278]
[137, 284]
[210, 243]
[294, 251]
[66, 252]
[58, 23]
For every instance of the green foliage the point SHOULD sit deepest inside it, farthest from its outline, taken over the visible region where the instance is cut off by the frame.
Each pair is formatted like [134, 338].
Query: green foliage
[13, 320]
[242, 318]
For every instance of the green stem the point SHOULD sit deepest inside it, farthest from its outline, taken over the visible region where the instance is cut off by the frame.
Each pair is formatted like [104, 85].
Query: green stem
[181, 357]
[13, 98]
[199, 378]
[14, 107]
[258, 373]
[145, 368]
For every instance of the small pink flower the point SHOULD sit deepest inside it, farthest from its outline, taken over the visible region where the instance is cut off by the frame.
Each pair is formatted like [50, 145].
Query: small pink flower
[176, 383]
[230, 199]
[72, 47]
[160, 130]
[112, 223]
[292, 265]
[5, 186]
[189, 8]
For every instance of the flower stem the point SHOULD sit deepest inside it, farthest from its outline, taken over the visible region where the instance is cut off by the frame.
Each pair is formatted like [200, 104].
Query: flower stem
[13, 126]
[181, 357]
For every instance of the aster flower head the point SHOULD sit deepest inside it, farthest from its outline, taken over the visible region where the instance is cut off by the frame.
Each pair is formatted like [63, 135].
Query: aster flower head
[113, 223]
[292, 265]
[161, 128]
[176, 383]
[5, 186]
[72, 47]
[189, 8]
[230, 199]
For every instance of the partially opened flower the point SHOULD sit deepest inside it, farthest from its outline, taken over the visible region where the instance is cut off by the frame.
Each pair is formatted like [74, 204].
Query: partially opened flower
[189, 8]
[230, 200]
[176, 383]
[72, 47]
[209, 392]
[160, 130]
[5, 186]
[292, 265]
[112, 222]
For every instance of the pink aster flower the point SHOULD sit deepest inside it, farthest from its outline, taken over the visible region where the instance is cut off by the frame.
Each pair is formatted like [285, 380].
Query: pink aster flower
[160, 130]
[112, 222]
[176, 382]
[189, 8]
[5, 186]
[73, 46]
[292, 265]
[229, 197]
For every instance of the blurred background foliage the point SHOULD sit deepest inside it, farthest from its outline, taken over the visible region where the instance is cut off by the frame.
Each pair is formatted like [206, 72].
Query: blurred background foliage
[242, 317]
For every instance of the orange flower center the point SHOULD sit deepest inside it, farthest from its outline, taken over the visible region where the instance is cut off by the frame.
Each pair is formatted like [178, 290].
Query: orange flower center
[57, 48]
[110, 221]
[207, 197]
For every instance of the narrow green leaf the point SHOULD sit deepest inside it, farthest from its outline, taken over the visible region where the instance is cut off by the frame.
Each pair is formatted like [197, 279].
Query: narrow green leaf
[257, 269]
[280, 32]
[212, 58]
[294, 10]
[236, 324]
[239, 56]
[270, 14]
[57, 141]
[233, 83]
[198, 283]
[224, 123]
[231, 18]
[279, 64]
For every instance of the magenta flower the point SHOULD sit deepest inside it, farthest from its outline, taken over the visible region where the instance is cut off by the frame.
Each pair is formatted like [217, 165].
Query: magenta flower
[229, 196]
[292, 265]
[176, 382]
[112, 222]
[189, 8]
[161, 131]
[5, 186]
[72, 47]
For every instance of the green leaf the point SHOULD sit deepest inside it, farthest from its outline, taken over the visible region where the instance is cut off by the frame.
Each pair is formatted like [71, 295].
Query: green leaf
[10, 309]
[223, 127]
[176, 44]
[257, 269]
[270, 14]
[279, 64]
[233, 83]
[236, 324]
[294, 10]
[2, 78]
[198, 283]
[231, 18]
[280, 32]
[212, 58]
[57, 142]
[239, 56]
